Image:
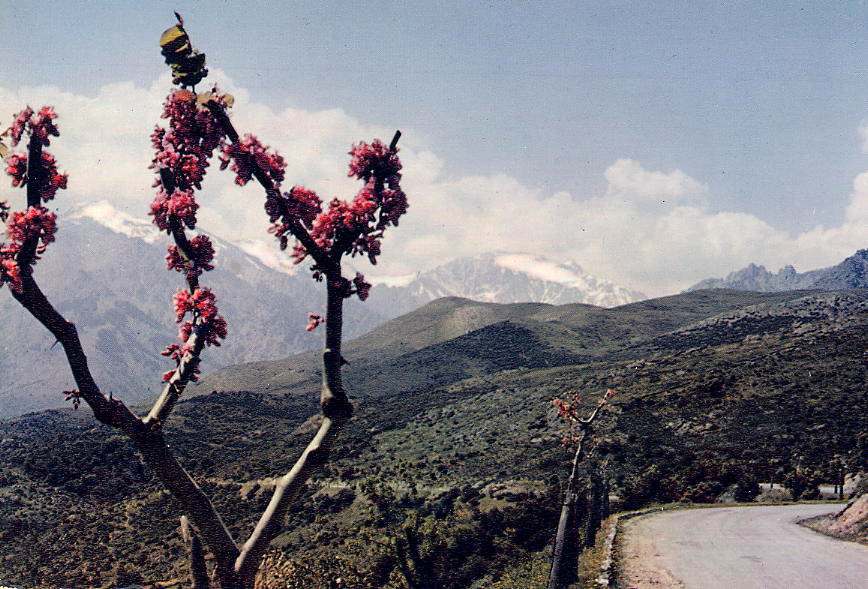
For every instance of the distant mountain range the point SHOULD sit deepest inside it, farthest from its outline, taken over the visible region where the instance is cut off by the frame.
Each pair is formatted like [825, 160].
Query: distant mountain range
[109, 278]
[505, 278]
[851, 273]
[107, 274]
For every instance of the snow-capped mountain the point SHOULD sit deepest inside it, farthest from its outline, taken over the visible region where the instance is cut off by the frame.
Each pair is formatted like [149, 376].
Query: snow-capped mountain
[107, 274]
[506, 278]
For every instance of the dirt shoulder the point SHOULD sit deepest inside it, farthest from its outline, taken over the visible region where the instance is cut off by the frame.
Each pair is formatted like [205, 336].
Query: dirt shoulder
[637, 557]
[851, 523]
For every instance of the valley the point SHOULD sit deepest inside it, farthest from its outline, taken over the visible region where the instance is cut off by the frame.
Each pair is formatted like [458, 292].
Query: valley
[454, 435]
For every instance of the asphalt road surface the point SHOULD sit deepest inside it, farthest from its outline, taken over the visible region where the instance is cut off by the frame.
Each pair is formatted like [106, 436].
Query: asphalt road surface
[738, 548]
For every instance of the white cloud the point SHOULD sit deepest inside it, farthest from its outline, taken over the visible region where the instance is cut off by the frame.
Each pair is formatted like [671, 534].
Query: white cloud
[628, 178]
[617, 234]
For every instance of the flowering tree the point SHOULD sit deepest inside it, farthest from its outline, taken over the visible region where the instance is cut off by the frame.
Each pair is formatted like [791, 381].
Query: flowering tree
[576, 431]
[198, 126]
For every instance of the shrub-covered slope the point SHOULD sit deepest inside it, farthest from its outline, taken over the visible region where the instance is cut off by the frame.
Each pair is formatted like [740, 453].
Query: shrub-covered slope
[454, 441]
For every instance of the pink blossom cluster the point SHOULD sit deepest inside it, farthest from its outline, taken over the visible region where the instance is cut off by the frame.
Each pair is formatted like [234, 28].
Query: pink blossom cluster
[37, 225]
[314, 321]
[181, 159]
[299, 204]
[54, 180]
[357, 286]
[362, 288]
[201, 304]
[357, 227]
[177, 352]
[41, 126]
[181, 153]
[10, 273]
[16, 167]
[569, 411]
[191, 139]
[202, 254]
[347, 288]
[374, 159]
[181, 205]
[247, 155]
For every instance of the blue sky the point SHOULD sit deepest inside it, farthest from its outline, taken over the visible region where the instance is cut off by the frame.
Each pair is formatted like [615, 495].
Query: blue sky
[760, 103]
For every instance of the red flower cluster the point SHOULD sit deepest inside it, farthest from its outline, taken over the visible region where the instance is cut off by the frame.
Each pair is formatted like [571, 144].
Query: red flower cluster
[37, 224]
[247, 155]
[568, 410]
[314, 321]
[54, 180]
[191, 139]
[300, 203]
[40, 126]
[181, 205]
[182, 154]
[357, 227]
[202, 305]
[9, 271]
[207, 322]
[74, 396]
[177, 352]
[202, 252]
[22, 119]
[16, 166]
[363, 289]
[43, 127]
[374, 159]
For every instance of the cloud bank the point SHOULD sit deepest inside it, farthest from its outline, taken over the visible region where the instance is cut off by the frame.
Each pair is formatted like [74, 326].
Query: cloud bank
[649, 230]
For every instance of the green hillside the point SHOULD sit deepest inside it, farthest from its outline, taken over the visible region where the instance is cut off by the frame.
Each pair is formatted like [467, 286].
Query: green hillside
[454, 438]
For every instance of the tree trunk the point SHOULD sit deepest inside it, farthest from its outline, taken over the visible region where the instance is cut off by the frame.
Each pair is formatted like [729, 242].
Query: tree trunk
[558, 573]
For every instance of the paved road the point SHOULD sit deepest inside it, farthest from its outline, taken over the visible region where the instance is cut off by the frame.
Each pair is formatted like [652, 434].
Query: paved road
[739, 548]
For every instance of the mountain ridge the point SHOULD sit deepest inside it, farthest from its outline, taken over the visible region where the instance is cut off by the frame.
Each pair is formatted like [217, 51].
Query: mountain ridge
[852, 272]
[107, 274]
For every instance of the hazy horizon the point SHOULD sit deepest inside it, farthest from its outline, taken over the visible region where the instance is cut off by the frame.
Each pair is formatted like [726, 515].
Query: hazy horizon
[654, 146]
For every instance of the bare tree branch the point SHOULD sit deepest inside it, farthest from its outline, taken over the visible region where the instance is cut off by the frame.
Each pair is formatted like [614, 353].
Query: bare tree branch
[198, 572]
[113, 412]
[336, 410]
[288, 488]
[335, 405]
[176, 384]
[108, 411]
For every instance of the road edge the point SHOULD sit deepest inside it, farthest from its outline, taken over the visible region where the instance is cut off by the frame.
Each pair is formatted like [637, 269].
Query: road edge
[610, 567]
